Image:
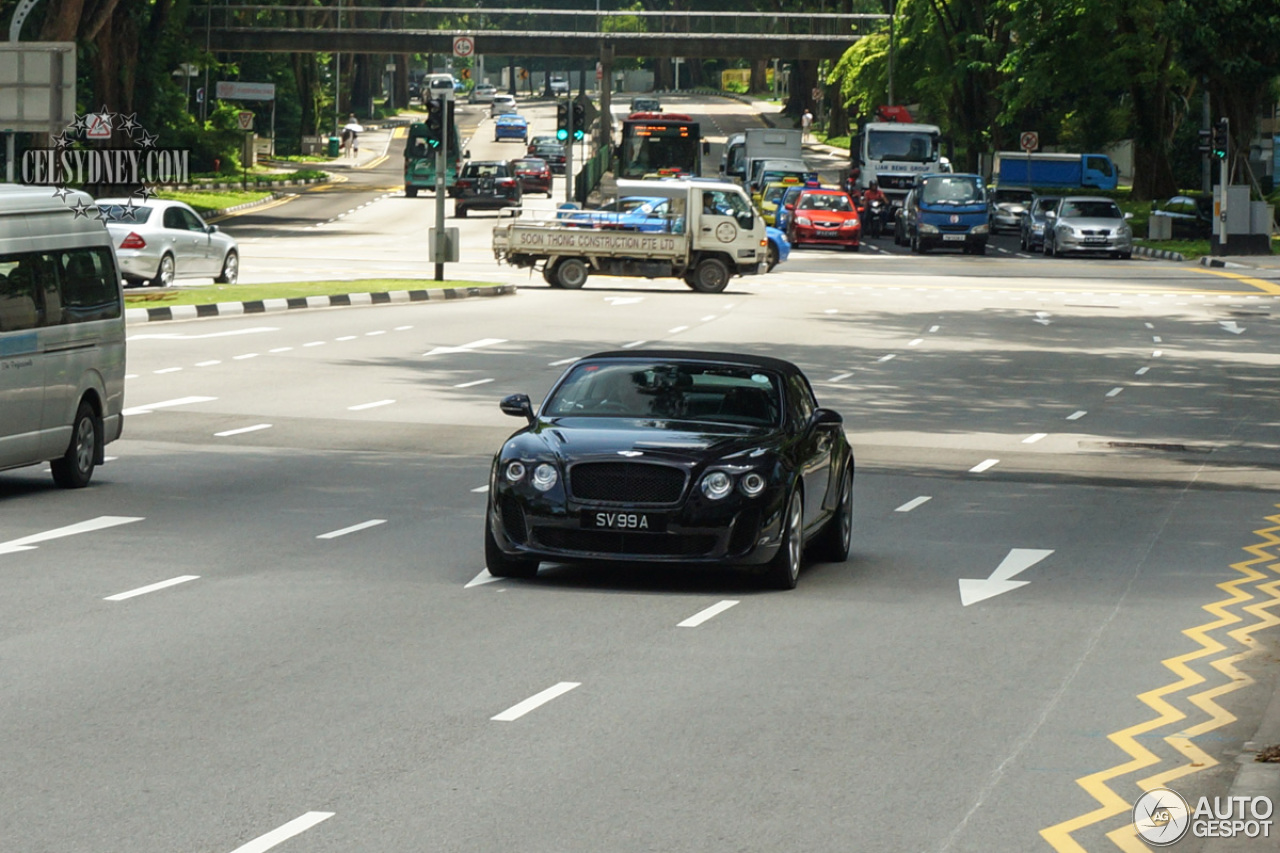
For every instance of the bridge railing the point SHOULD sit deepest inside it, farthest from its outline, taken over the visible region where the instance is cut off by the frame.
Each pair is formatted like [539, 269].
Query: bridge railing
[338, 15]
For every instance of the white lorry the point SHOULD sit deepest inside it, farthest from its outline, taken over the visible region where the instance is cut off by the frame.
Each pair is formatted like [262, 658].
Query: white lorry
[707, 233]
[758, 143]
[893, 154]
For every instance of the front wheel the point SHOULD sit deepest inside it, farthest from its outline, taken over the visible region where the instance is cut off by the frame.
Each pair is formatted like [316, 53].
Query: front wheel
[710, 276]
[771, 257]
[460, 212]
[230, 269]
[502, 566]
[784, 569]
[410, 192]
[75, 467]
[571, 273]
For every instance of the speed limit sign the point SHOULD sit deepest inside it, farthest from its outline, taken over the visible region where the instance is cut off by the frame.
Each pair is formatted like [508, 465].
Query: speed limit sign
[1029, 140]
[464, 46]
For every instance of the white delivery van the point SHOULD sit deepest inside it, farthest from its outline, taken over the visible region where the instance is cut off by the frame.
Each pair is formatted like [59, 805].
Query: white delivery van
[62, 334]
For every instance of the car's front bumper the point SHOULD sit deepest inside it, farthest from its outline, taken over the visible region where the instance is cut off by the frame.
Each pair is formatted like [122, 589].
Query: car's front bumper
[1075, 244]
[738, 533]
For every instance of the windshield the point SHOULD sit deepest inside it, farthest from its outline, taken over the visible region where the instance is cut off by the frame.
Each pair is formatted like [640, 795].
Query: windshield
[772, 194]
[824, 201]
[709, 393]
[1091, 210]
[904, 146]
[1012, 196]
[951, 190]
[644, 155]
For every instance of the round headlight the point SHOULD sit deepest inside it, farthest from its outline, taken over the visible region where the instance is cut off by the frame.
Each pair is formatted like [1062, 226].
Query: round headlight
[716, 485]
[515, 472]
[544, 476]
[752, 484]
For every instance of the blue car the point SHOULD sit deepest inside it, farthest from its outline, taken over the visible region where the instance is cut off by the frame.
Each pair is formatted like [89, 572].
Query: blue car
[779, 249]
[650, 214]
[510, 126]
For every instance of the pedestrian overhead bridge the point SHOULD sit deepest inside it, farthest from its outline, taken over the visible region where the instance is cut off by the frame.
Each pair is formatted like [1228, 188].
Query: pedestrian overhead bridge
[334, 27]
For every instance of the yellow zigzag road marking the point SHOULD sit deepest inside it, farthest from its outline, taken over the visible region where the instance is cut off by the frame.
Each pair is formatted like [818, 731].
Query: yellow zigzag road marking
[1059, 836]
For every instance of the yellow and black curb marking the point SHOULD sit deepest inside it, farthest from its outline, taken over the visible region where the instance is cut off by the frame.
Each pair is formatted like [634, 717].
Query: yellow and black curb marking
[1259, 582]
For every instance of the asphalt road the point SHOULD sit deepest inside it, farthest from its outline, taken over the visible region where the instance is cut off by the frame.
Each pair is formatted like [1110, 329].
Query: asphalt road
[281, 636]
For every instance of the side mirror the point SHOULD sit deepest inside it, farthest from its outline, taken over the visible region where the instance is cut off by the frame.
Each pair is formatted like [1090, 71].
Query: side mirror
[1051, 214]
[706, 147]
[211, 229]
[1128, 215]
[519, 406]
[822, 417]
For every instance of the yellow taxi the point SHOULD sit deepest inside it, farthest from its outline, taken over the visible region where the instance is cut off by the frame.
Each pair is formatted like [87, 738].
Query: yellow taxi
[769, 198]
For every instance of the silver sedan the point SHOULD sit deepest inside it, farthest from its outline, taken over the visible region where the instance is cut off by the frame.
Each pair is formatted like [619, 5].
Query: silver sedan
[1088, 224]
[159, 241]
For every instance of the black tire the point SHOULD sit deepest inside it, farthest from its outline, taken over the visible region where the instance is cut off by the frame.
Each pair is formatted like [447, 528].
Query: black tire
[833, 543]
[230, 269]
[410, 192]
[74, 469]
[783, 571]
[1048, 249]
[571, 273]
[459, 211]
[852, 247]
[917, 246]
[166, 272]
[710, 276]
[549, 276]
[1022, 242]
[770, 257]
[502, 566]
[980, 249]
[1126, 256]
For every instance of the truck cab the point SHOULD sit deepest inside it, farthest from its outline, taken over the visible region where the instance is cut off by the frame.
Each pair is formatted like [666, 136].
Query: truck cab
[894, 154]
[946, 210]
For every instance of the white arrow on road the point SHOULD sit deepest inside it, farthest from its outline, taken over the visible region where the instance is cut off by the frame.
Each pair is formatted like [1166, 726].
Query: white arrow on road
[623, 300]
[1042, 317]
[1231, 326]
[28, 543]
[1017, 561]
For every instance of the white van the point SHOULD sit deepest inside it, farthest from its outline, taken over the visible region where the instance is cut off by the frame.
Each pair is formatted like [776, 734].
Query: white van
[62, 334]
[439, 84]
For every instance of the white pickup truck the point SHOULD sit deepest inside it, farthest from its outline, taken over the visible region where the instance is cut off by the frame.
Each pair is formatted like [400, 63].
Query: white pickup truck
[703, 231]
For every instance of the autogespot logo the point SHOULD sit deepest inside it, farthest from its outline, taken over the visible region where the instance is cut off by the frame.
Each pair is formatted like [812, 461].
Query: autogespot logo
[83, 155]
[1161, 817]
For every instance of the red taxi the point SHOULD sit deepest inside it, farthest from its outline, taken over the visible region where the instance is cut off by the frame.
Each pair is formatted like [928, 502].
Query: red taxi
[824, 217]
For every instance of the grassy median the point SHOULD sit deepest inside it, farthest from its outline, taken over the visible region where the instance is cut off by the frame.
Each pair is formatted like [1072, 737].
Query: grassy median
[285, 290]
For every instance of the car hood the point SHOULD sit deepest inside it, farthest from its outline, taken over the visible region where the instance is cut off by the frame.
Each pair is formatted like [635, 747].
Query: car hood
[1093, 223]
[574, 439]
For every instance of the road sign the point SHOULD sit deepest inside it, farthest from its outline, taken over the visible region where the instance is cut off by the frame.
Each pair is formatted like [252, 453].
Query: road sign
[245, 120]
[237, 91]
[1029, 140]
[464, 46]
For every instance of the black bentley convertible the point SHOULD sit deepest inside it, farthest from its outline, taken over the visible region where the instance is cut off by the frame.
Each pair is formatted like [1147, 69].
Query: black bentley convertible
[674, 457]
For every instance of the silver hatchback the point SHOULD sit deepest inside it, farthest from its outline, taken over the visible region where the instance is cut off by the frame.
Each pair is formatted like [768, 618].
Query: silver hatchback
[1088, 225]
[159, 241]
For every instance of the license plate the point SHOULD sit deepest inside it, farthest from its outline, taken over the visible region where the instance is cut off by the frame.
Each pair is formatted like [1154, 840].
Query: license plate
[1095, 241]
[953, 238]
[638, 522]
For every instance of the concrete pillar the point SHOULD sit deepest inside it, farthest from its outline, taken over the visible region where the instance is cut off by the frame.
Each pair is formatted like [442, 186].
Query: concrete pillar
[604, 133]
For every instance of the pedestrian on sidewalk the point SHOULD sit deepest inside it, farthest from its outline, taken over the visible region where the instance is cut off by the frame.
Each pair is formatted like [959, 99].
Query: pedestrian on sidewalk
[806, 122]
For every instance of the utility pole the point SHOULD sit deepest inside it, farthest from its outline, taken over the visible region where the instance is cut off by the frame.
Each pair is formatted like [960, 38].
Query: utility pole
[442, 161]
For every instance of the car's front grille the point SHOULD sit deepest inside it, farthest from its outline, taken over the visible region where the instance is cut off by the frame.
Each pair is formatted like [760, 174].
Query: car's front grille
[1096, 232]
[626, 482]
[623, 544]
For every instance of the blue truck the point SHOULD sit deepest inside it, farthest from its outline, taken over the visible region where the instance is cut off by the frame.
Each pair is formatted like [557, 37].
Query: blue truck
[944, 211]
[1055, 171]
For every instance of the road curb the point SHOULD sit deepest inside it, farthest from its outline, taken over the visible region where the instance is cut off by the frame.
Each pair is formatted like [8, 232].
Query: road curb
[342, 300]
[1159, 254]
[1206, 261]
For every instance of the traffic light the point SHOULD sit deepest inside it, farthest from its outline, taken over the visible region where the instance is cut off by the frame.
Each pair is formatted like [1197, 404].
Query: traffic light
[1221, 138]
[1206, 141]
[435, 122]
[579, 121]
[562, 121]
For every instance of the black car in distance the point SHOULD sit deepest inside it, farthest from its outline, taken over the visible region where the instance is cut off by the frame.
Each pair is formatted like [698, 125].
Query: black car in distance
[672, 457]
[485, 185]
